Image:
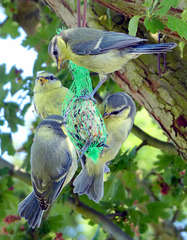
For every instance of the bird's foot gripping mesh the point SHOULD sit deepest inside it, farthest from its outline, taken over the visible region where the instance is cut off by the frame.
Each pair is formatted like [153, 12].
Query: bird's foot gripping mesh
[85, 124]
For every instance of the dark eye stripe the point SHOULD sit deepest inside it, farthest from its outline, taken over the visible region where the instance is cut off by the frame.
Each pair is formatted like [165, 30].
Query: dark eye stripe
[117, 112]
[51, 78]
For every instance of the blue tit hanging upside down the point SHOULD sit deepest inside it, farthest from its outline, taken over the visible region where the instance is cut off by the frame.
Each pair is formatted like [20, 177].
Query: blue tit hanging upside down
[100, 51]
[53, 164]
[119, 111]
[49, 94]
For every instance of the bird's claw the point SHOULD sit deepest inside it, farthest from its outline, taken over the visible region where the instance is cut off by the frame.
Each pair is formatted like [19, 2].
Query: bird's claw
[87, 97]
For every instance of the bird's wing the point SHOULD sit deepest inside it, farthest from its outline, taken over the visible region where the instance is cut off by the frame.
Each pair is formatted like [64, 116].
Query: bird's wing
[47, 194]
[85, 41]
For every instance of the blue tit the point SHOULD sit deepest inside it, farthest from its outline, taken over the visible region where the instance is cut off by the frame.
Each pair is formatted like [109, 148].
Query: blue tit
[100, 51]
[49, 94]
[119, 111]
[53, 164]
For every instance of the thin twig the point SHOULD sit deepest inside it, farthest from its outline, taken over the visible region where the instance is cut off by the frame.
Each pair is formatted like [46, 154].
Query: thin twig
[78, 13]
[151, 141]
[84, 14]
[141, 145]
[175, 216]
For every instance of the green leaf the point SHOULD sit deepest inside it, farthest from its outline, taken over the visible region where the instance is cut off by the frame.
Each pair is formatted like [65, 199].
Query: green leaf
[157, 210]
[4, 171]
[113, 190]
[164, 161]
[184, 15]
[167, 176]
[97, 234]
[165, 6]
[176, 24]
[55, 222]
[154, 4]
[147, 3]
[3, 95]
[153, 24]
[10, 27]
[133, 25]
[6, 144]
[130, 179]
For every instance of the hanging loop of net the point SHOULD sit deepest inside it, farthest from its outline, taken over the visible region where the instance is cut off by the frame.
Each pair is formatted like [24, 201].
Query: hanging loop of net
[85, 124]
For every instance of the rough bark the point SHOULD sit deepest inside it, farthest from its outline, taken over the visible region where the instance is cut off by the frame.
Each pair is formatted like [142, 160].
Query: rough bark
[165, 97]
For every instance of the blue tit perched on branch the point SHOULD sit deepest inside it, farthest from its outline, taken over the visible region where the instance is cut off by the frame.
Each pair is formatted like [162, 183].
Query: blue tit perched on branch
[100, 51]
[118, 110]
[49, 94]
[53, 164]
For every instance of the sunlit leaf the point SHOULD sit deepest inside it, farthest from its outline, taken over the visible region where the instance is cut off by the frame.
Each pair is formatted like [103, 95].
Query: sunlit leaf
[133, 25]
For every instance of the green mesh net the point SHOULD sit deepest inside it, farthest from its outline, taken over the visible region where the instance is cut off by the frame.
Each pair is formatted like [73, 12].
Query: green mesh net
[85, 124]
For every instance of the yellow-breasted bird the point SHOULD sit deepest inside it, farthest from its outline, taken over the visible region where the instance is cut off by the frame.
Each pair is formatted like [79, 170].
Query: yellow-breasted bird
[49, 94]
[53, 164]
[118, 110]
[100, 51]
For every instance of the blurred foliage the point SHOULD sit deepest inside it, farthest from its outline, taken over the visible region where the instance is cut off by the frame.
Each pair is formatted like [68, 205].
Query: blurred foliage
[143, 187]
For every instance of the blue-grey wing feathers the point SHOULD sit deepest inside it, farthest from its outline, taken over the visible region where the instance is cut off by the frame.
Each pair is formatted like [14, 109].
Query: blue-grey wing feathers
[30, 210]
[86, 41]
[97, 41]
[92, 186]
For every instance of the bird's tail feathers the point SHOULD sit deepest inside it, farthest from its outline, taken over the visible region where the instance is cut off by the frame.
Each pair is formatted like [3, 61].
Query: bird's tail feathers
[153, 48]
[92, 186]
[30, 210]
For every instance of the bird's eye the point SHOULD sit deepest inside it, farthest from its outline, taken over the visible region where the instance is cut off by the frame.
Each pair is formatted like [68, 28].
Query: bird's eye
[55, 52]
[51, 78]
[115, 112]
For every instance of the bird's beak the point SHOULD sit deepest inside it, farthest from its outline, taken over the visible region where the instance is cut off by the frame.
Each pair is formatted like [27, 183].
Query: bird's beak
[59, 62]
[106, 115]
[42, 80]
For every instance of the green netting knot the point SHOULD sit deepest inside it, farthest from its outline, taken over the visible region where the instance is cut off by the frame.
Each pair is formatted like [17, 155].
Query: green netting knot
[60, 29]
[85, 124]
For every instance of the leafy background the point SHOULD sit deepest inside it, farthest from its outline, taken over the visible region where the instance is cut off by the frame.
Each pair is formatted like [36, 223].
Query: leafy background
[145, 186]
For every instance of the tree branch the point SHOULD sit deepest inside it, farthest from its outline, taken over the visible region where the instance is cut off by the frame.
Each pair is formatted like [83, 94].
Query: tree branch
[15, 171]
[151, 141]
[97, 217]
[131, 8]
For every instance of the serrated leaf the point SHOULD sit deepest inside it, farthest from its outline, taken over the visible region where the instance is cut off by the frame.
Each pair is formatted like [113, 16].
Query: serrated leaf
[4, 76]
[163, 162]
[55, 222]
[130, 179]
[157, 210]
[10, 112]
[176, 24]
[6, 144]
[165, 6]
[10, 27]
[133, 25]
[3, 95]
[153, 24]
[167, 176]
